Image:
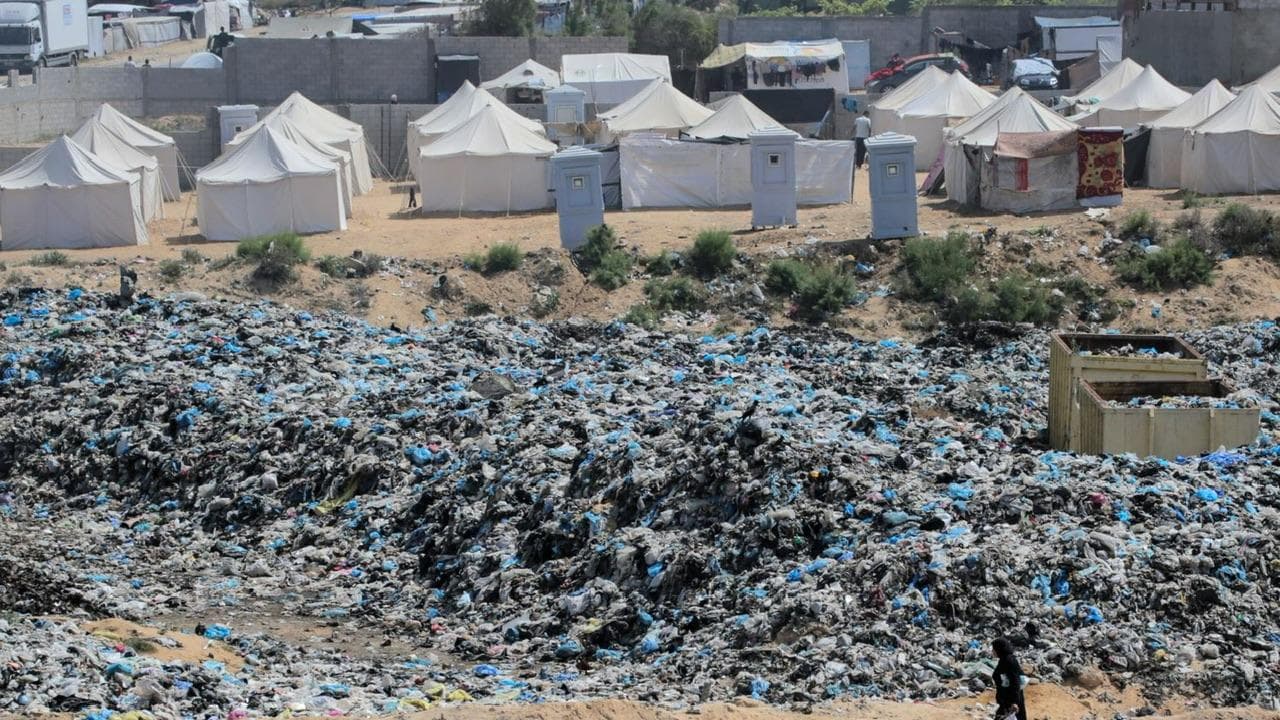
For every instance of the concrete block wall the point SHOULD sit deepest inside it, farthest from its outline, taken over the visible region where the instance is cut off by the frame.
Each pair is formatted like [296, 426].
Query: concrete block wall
[998, 26]
[500, 54]
[333, 70]
[1237, 46]
[182, 91]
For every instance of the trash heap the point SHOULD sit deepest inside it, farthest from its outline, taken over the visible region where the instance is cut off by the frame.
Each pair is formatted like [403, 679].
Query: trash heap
[510, 511]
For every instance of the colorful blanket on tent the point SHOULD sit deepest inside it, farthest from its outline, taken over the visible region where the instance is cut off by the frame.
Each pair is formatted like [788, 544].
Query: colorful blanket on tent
[1101, 158]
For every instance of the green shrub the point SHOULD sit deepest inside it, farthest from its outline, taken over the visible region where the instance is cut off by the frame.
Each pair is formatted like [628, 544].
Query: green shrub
[543, 306]
[171, 270]
[613, 271]
[659, 265]
[786, 276]
[677, 293]
[191, 256]
[276, 256]
[603, 260]
[332, 265]
[1191, 199]
[712, 253]
[223, 262]
[601, 241]
[934, 269]
[824, 292]
[52, 258]
[641, 315]
[474, 262]
[1138, 225]
[1243, 230]
[1189, 225]
[1012, 298]
[503, 257]
[1180, 265]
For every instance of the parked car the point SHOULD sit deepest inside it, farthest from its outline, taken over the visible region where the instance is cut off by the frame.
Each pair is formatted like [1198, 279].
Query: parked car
[888, 78]
[1033, 74]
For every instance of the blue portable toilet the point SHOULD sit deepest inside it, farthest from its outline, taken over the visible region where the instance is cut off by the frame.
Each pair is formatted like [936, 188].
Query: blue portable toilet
[891, 161]
[565, 104]
[576, 177]
[773, 177]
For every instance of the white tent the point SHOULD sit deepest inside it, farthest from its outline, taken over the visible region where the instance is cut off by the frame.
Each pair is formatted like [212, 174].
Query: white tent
[884, 116]
[735, 119]
[118, 154]
[489, 164]
[63, 196]
[330, 129]
[1109, 84]
[928, 116]
[202, 61]
[528, 74]
[659, 107]
[1237, 149]
[151, 142]
[293, 132]
[1164, 153]
[1144, 99]
[965, 144]
[611, 78]
[268, 184]
[1269, 81]
[453, 114]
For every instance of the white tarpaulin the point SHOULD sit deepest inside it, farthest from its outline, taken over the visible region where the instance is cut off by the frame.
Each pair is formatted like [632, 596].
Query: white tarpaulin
[659, 107]
[660, 172]
[611, 78]
[1014, 111]
[63, 196]
[1031, 172]
[1144, 99]
[297, 135]
[1236, 150]
[489, 164]
[118, 154]
[268, 184]
[141, 137]
[151, 31]
[1164, 153]
[528, 74]
[453, 114]
[203, 61]
[735, 119]
[330, 129]
[883, 111]
[1109, 84]
[1269, 81]
[928, 116]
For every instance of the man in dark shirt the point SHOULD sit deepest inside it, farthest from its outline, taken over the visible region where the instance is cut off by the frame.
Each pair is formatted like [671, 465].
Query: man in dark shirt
[1008, 682]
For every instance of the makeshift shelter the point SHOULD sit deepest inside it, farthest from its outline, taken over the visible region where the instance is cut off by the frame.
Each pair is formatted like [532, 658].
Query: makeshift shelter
[269, 184]
[928, 116]
[140, 137]
[782, 65]
[1031, 172]
[63, 196]
[1104, 87]
[884, 117]
[525, 81]
[118, 154]
[966, 144]
[612, 78]
[453, 114]
[1237, 149]
[735, 119]
[330, 129]
[293, 132]
[1143, 99]
[489, 164]
[659, 107]
[1164, 150]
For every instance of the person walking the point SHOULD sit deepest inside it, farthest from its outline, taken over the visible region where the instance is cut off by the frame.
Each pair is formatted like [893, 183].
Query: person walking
[129, 63]
[861, 131]
[1008, 680]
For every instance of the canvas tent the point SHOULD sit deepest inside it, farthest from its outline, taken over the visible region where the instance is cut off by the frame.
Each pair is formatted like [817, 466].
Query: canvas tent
[293, 132]
[115, 152]
[928, 116]
[1031, 172]
[202, 61]
[659, 107]
[529, 74]
[489, 164]
[884, 117]
[735, 119]
[965, 145]
[151, 142]
[612, 78]
[1143, 99]
[328, 128]
[1269, 81]
[453, 114]
[1237, 149]
[1104, 87]
[63, 196]
[1164, 149]
[268, 184]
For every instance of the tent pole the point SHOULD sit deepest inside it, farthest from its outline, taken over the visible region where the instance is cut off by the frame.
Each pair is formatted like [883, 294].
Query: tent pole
[462, 191]
[508, 194]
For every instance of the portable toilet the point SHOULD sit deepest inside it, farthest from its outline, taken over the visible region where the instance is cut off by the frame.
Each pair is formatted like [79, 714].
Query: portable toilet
[576, 177]
[773, 177]
[234, 118]
[565, 104]
[891, 161]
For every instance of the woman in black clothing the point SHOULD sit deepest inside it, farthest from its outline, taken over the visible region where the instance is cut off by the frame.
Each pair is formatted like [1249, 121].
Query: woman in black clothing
[1008, 681]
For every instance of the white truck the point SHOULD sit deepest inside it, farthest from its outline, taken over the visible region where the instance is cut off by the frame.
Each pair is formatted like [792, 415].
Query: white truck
[43, 32]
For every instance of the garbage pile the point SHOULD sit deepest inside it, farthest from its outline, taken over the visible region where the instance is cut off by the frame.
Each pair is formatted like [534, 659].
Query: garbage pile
[499, 510]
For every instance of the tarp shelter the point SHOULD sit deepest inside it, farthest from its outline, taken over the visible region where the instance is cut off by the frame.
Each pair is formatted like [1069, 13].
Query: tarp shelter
[203, 61]
[612, 78]
[293, 132]
[453, 114]
[662, 172]
[528, 75]
[781, 65]
[1104, 87]
[966, 144]
[489, 164]
[330, 129]
[928, 116]
[1164, 151]
[735, 119]
[118, 154]
[1031, 172]
[1237, 149]
[884, 111]
[659, 107]
[63, 196]
[1145, 98]
[151, 142]
[268, 184]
